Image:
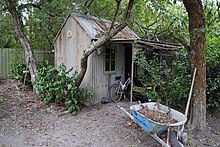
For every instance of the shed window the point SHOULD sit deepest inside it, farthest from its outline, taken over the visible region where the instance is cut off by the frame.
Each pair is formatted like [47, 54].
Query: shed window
[110, 59]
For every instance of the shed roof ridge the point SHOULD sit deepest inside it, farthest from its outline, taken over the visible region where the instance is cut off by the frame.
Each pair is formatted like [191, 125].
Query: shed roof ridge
[91, 17]
[94, 27]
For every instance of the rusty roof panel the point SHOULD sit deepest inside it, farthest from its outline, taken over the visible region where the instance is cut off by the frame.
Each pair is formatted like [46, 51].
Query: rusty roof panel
[95, 27]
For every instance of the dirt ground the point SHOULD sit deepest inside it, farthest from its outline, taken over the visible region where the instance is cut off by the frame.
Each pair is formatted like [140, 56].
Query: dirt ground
[25, 121]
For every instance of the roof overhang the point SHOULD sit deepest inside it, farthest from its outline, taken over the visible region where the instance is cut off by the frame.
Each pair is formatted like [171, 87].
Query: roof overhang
[146, 44]
[156, 45]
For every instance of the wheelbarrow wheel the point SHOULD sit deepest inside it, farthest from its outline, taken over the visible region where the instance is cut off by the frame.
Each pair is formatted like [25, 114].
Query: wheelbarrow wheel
[116, 93]
[183, 137]
[173, 139]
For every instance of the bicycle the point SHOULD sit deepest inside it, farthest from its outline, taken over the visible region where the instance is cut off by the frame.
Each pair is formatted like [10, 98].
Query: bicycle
[118, 90]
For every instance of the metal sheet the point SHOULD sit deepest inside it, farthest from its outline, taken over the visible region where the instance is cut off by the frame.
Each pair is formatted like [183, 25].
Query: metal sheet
[95, 27]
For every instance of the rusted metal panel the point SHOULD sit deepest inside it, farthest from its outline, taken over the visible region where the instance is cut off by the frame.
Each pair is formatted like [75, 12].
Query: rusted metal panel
[95, 27]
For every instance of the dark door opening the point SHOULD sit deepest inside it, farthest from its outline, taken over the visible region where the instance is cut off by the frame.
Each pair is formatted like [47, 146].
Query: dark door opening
[128, 60]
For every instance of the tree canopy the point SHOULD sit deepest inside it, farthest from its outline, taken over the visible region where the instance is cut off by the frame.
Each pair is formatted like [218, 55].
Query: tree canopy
[151, 19]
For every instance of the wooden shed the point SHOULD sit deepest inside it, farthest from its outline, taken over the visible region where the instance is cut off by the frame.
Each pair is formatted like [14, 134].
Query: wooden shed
[113, 59]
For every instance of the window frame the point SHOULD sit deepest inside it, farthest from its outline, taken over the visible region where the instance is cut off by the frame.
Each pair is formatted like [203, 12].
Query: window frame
[108, 49]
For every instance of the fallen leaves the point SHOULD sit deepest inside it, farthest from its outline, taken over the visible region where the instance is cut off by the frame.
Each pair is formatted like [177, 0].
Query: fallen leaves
[157, 116]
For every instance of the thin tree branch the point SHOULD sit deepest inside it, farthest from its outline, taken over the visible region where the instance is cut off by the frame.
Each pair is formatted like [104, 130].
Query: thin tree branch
[181, 40]
[87, 4]
[147, 28]
[167, 29]
[129, 9]
[90, 3]
[115, 16]
[45, 31]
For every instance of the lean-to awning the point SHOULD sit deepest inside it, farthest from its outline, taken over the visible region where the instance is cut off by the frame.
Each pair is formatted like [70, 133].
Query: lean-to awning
[149, 45]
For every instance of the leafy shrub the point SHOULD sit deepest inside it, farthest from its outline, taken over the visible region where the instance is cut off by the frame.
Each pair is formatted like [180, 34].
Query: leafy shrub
[175, 89]
[58, 85]
[152, 76]
[213, 79]
[19, 71]
[170, 83]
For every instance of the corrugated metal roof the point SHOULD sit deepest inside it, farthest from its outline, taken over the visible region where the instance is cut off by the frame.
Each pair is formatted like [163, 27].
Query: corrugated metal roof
[95, 27]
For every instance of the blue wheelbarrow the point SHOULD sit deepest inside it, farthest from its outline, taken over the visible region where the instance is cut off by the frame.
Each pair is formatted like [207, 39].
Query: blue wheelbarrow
[155, 128]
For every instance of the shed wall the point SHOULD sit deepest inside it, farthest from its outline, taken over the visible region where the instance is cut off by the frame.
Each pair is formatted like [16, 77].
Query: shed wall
[96, 76]
[69, 50]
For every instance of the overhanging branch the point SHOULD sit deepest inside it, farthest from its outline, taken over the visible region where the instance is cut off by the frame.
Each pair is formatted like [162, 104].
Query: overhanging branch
[107, 36]
[115, 16]
[181, 40]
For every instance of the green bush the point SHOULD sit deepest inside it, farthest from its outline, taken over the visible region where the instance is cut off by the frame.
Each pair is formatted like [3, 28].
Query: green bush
[213, 79]
[175, 89]
[20, 72]
[58, 85]
[170, 83]
[151, 78]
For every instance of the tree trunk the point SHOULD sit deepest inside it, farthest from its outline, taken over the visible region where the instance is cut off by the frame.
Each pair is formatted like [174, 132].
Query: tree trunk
[197, 60]
[18, 25]
[107, 36]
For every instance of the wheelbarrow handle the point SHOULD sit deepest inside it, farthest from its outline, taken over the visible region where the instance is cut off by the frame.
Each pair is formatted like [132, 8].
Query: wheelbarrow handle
[129, 114]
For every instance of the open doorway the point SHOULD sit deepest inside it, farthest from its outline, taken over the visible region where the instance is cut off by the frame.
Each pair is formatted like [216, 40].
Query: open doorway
[128, 60]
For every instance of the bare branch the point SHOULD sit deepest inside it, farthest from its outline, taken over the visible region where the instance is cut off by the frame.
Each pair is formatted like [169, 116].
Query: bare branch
[147, 28]
[156, 21]
[116, 13]
[90, 3]
[87, 4]
[181, 40]
[128, 11]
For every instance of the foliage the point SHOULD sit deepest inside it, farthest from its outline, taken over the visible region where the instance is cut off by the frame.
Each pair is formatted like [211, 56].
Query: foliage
[58, 85]
[41, 21]
[44, 22]
[151, 78]
[20, 72]
[152, 19]
[175, 89]
[212, 55]
[170, 83]
[213, 79]
[7, 33]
